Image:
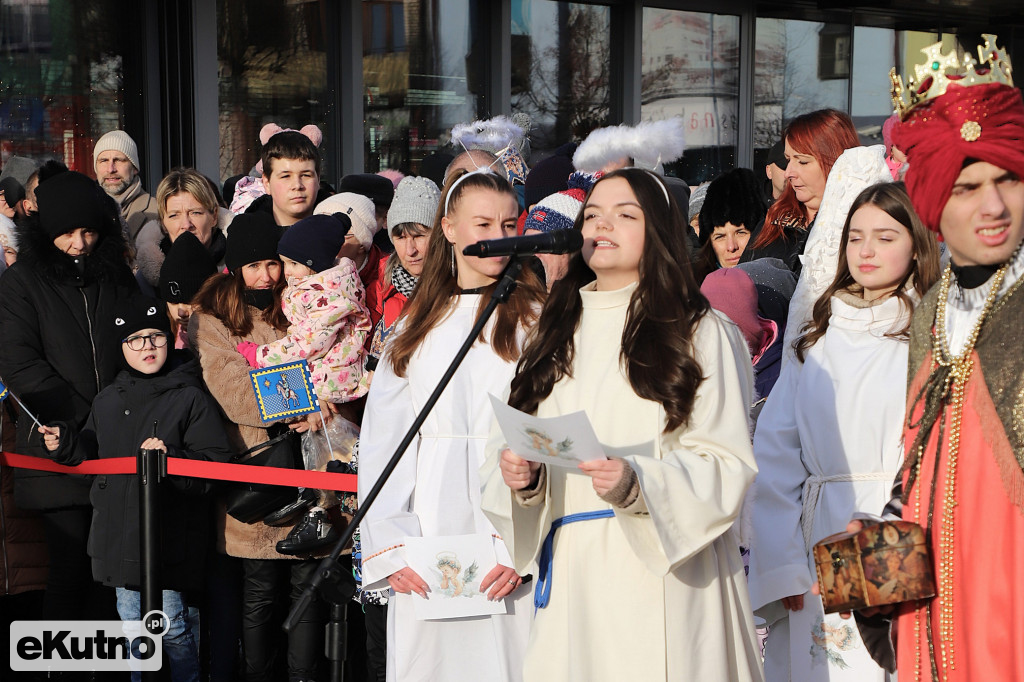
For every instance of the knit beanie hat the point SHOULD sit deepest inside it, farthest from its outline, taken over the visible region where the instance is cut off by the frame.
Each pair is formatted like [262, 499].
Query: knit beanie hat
[12, 190]
[71, 200]
[187, 266]
[415, 201]
[119, 141]
[139, 312]
[358, 208]
[315, 241]
[731, 291]
[697, 200]
[555, 212]
[20, 168]
[253, 237]
[375, 187]
[550, 175]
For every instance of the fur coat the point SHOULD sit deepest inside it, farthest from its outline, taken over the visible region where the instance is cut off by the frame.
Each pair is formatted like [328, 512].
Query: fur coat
[226, 374]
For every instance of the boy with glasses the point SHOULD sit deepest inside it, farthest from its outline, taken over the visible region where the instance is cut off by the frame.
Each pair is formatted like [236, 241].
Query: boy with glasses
[156, 402]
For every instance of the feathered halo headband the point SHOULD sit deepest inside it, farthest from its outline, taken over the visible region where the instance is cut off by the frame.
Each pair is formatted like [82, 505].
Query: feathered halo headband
[499, 136]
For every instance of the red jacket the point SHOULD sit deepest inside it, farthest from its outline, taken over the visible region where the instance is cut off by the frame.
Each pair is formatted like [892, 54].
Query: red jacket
[374, 282]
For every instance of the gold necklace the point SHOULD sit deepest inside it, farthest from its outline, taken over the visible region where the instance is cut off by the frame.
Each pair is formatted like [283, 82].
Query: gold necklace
[961, 367]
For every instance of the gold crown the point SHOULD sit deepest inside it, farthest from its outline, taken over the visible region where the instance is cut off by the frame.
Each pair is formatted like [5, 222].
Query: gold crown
[932, 78]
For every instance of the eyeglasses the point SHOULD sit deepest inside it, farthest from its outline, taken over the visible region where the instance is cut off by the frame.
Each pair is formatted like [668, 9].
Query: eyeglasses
[156, 339]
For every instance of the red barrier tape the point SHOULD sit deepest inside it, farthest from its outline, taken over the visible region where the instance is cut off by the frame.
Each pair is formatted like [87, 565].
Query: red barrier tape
[176, 466]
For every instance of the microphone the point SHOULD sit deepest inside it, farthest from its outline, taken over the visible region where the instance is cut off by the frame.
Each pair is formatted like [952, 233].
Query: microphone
[558, 241]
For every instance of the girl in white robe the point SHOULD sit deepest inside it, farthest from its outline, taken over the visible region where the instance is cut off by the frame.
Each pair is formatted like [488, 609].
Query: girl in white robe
[648, 584]
[829, 440]
[435, 490]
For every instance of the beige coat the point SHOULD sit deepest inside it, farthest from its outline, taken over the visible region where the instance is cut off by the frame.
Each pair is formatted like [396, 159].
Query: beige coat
[226, 374]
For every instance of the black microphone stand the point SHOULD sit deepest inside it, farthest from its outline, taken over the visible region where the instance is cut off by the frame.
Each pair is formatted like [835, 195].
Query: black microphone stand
[329, 570]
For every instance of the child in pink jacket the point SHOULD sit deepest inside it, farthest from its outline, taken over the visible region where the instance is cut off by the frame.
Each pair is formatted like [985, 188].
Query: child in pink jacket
[328, 326]
[324, 304]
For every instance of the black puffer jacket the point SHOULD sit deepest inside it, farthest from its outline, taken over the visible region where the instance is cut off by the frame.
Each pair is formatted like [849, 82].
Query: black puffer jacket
[189, 424]
[57, 345]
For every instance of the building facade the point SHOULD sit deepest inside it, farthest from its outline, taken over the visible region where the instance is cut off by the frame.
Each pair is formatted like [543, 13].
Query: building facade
[193, 81]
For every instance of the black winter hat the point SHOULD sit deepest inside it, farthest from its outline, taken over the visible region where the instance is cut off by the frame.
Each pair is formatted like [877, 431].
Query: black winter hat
[376, 188]
[253, 237]
[434, 165]
[187, 266]
[139, 312]
[777, 155]
[550, 175]
[315, 241]
[12, 190]
[71, 200]
[733, 197]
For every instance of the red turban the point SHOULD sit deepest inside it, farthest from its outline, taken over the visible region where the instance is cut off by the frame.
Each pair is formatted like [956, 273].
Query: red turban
[983, 122]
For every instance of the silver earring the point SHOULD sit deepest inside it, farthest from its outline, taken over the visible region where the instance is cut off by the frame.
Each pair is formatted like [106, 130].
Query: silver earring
[453, 260]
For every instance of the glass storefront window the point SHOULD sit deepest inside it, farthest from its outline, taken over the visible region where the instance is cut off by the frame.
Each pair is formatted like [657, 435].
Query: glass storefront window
[800, 66]
[424, 70]
[272, 68]
[61, 78]
[561, 58]
[690, 68]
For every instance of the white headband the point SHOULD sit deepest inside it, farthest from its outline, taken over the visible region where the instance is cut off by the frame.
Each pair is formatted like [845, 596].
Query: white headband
[451, 190]
[661, 183]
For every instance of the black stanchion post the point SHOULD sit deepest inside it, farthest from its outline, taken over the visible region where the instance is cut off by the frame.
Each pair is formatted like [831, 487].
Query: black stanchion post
[151, 469]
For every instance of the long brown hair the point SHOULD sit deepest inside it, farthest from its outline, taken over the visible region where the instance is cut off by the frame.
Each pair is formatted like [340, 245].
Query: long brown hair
[223, 296]
[433, 299]
[824, 134]
[664, 310]
[892, 198]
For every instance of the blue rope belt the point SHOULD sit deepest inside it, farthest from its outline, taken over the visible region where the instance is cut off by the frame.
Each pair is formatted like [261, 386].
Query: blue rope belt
[542, 593]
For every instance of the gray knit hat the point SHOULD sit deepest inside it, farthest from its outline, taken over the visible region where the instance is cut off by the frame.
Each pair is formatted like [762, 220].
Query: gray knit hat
[697, 199]
[415, 201]
[119, 141]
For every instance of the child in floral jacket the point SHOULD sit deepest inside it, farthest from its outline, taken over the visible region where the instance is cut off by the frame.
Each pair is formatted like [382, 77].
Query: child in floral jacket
[328, 327]
[328, 320]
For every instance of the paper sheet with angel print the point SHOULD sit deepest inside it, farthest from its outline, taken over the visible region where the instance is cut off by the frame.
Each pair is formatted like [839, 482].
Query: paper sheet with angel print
[563, 441]
[453, 566]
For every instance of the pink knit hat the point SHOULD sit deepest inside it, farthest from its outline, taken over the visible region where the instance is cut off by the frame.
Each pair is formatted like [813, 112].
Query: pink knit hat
[732, 292]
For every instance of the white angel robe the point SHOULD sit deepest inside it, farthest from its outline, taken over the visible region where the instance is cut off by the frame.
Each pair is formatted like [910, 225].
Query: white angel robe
[435, 491]
[656, 592]
[828, 444]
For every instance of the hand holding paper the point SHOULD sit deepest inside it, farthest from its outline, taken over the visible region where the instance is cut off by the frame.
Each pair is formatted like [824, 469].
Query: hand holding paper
[518, 473]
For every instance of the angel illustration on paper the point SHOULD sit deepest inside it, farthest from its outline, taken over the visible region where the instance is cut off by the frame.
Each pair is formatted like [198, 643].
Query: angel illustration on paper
[543, 444]
[829, 641]
[454, 581]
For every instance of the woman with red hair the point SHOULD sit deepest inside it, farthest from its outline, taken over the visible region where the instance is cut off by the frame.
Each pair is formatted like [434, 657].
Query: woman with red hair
[813, 143]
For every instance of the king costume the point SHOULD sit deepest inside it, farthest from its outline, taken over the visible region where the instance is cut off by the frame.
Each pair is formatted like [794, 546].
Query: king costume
[963, 479]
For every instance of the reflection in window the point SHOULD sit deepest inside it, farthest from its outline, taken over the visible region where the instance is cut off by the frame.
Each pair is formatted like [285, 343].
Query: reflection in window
[560, 67]
[424, 69]
[61, 84]
[800, 66]
[271, 69]
[690, 69]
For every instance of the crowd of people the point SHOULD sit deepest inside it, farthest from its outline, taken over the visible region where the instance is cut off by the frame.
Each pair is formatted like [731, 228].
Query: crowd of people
[766, 362]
